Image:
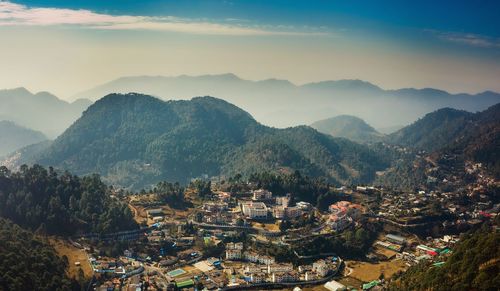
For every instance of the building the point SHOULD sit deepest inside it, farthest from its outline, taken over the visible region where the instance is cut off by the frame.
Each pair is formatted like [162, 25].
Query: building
[283, 200]
[251, 257]
[304, 206]
[279, 268]
[395, 239]
[321, 268]
[266, 260]
[279, 212]
[279, 277]
[339, 222]
[255, 210]
[310, 276]
[155, 212]
[292, 212]
[258, 277]
[233, 254]
[262, 194]
[334, 286]
[215, 206]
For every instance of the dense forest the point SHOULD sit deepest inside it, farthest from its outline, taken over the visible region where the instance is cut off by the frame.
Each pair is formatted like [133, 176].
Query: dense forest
[473, 265]
[43, 200]
[27, 263]
[136, 141]
[350, 127]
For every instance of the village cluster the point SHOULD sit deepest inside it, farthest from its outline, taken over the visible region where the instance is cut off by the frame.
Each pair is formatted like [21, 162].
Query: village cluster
[178, 252]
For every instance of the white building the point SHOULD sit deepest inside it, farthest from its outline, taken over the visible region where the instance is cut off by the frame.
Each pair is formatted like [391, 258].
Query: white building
[255, 210]
[284, 277]
[292, 212]
[251, 257]
[305, 206]
[334, 286]
[266, 260]
[258, 277]
[279, 268]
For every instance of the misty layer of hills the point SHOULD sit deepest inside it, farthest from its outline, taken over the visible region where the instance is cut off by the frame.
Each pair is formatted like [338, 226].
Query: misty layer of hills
[280, 103]
[350, 127]
[13, 137]
[42, 111]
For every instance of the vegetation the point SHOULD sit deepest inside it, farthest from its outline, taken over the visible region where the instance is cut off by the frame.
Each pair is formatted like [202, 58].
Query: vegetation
[27, 263]
[136, 140]
[473, 265]
[42, 200]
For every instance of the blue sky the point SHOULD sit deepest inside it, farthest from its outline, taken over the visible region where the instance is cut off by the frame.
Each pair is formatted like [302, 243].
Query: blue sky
[453, 45]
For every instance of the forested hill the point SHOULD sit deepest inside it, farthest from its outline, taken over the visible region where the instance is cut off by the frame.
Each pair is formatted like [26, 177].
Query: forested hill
[49, 203]
[435, 130]
[347, 126]
[28, 263]
[473, 265]
[137, 140]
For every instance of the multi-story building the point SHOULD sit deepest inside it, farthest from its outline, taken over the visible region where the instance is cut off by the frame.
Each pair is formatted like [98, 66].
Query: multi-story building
[251, 257]
[262, 194]
[279, 268]
[321, 268]
[283, 200]
[233, 254]
[266, 260]
[305, 206]
[258, 277]
[255, 210]
[279, 212]
[292, 212]
[288, 276]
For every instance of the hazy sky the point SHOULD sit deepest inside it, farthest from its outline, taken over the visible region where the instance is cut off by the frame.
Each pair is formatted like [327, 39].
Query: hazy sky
[69, 46]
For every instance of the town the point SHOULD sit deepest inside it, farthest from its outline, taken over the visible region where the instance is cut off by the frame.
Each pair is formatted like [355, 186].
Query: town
[250, 238]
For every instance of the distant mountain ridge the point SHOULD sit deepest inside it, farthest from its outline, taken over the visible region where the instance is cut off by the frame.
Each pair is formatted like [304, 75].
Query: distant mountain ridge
[287, 104]
[41, 111]
[14, 137]
[347, 126]
[136, 140]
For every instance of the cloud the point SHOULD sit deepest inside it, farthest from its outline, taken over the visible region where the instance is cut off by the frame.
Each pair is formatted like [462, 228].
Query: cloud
[13, 14]
[469, 39]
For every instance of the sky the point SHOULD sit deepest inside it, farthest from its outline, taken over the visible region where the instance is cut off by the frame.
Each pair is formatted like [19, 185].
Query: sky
[66, 47]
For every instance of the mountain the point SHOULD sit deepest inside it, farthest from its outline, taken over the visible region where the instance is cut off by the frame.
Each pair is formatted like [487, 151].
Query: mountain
[14, 137]
[350, 127]
[434, 131]
[136, 140]
[287, 104]
[41, 111]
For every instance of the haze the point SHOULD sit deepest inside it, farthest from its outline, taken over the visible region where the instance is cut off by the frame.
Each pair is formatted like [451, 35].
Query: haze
[67, 47]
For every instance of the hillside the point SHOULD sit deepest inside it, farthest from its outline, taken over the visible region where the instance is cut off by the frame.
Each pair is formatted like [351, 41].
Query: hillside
[136, 140]
[350, 127]
[41, 111]
[28, 263]
[41, 200]
[14, 137]
[433, 131]
[473, 265]
[287, 104]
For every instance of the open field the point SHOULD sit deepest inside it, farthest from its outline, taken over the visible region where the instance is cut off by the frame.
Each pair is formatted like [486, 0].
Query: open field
[64, 248]
[266, 226]
[367, 272]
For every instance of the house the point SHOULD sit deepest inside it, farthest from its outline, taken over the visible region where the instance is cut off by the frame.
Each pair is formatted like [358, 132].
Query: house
[305, 206]
[266, 260]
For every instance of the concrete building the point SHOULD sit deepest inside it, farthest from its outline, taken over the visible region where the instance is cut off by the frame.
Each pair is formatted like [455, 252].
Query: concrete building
[255, 210]
[262, 194]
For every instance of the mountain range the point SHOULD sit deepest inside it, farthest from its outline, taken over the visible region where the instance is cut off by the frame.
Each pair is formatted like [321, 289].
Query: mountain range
[287, 104]
[41, 111]
[14, 137]
[136, 140]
